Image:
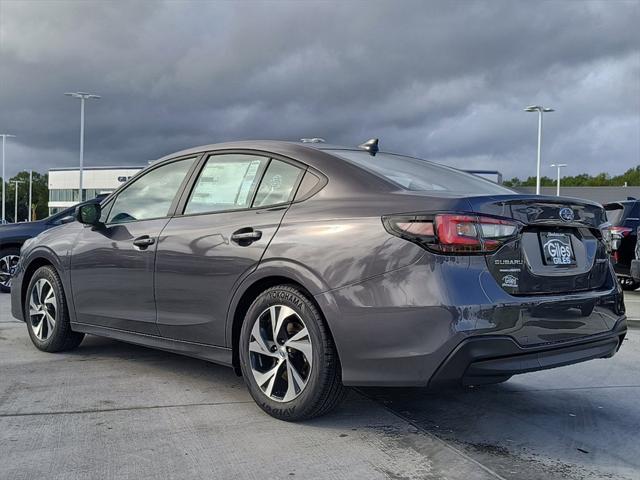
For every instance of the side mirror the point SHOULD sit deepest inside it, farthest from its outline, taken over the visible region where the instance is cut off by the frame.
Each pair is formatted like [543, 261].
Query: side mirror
[89, 214]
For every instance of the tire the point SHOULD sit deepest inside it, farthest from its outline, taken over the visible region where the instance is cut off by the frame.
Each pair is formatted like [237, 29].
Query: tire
[628, 284]
[47, 315]
[313, 388]
[8, 260]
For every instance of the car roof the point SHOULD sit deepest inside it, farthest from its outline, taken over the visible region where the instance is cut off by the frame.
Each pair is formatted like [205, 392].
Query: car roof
[275, 146]
[322, 158]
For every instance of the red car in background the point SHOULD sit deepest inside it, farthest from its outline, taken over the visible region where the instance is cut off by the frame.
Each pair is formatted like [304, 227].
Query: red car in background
[624, 218]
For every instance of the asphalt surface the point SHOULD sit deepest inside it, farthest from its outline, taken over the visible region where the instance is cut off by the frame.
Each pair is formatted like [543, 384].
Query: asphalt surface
[112, 410]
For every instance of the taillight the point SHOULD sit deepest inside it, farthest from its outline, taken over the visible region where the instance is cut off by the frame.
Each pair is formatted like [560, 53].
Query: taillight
[616, 234]
[620, 231]
[452, 232]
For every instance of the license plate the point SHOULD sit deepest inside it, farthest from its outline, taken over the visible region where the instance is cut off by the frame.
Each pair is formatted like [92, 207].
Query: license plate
[557, 249]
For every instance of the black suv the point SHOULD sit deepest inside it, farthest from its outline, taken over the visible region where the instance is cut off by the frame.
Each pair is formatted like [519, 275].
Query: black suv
[625, 219]
[13, 235]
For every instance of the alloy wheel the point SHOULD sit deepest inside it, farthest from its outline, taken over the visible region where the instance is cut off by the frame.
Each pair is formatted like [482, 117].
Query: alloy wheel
[43, 309]
[280, 352]
[7, 266]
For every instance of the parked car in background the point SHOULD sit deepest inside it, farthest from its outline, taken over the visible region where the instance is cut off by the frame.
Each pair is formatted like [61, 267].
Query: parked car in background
[309, 267]
[624, 218]
[635, 263]
[13, 235]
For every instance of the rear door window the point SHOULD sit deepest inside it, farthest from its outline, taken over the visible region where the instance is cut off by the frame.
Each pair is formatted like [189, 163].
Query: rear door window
[278, 184]
[227, 182]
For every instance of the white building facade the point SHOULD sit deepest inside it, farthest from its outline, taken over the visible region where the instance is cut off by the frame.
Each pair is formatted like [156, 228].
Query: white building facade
[64, 182]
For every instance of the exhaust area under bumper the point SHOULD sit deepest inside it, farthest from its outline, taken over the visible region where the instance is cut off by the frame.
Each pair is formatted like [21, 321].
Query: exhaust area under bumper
[484, 360]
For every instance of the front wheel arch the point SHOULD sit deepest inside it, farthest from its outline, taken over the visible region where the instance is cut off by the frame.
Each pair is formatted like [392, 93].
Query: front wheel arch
[31, 269]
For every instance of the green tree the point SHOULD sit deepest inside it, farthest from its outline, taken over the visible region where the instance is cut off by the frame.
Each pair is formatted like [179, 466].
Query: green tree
[631, 177]
[39, 198]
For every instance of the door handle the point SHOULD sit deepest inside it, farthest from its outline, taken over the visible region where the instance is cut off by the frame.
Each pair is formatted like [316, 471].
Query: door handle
[246, 236]
[144, 241]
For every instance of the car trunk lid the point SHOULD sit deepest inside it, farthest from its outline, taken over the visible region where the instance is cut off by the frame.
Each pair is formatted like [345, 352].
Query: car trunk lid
[558, 250]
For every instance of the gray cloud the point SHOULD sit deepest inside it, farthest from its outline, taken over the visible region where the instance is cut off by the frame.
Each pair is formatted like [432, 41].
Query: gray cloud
[442, 80]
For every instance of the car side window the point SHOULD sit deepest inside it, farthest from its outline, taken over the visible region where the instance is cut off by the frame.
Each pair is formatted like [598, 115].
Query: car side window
[227, 182]
[277, 184]
[308, 185]
[151, 195]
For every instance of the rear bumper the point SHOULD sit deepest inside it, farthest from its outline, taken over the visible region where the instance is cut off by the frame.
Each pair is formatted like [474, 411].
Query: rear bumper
[401, 328]
[482, 360]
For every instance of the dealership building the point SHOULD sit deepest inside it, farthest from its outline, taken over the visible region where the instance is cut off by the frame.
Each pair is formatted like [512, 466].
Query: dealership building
[64, 182]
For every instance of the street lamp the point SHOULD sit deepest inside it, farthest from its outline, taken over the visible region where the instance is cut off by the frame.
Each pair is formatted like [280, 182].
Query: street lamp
[82, 96]
[558, 166]
[15, 215]
[30, 192]
[4, 138]
[540, 110]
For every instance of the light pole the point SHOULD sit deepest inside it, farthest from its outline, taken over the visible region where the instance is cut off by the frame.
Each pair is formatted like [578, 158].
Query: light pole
[540, 110]
[15, 214]
[82, 96]
[4, 138]
[558, 166]
[30, 192]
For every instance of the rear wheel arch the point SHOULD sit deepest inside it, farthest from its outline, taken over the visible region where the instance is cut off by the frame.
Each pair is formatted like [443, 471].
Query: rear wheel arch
[241, 306]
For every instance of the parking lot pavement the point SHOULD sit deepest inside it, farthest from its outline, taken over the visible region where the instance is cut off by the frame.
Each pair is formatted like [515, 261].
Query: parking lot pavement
[632, 302]
[112, 410]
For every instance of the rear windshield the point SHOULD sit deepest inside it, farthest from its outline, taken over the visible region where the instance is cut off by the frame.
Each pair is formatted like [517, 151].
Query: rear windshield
[617, 212]
[421, 175]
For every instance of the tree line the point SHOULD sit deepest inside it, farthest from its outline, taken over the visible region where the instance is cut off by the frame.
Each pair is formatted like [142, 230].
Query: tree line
[631, 177]
[39, 197]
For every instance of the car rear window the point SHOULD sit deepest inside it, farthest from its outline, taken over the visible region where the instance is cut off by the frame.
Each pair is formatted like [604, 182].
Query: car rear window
[616, 213]
[421, 175]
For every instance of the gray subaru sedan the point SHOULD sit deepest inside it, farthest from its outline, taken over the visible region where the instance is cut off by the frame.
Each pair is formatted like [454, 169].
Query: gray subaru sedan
[309, 268]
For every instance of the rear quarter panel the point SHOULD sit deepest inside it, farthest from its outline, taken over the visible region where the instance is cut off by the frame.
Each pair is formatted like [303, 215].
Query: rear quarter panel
[341, 239]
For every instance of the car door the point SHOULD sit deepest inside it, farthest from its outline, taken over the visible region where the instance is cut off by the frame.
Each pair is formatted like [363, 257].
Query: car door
[112, 267]
[229, 217]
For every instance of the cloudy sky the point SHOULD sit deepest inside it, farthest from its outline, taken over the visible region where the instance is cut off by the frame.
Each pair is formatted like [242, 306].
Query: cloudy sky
[442, 80]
